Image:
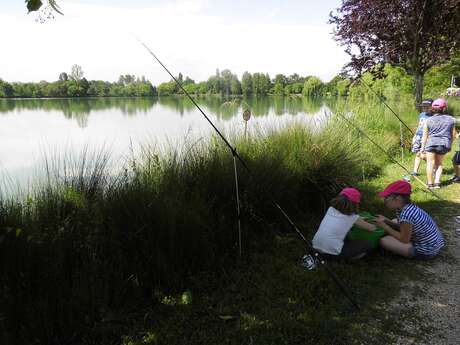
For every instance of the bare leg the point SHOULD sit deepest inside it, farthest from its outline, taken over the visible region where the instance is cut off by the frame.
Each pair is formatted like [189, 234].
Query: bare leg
[457, 170]
[393, 245]
[417, 161]
[429, 167]
[438, 167]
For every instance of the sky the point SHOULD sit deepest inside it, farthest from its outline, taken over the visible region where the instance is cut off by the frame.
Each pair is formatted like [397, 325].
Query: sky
[194, 37]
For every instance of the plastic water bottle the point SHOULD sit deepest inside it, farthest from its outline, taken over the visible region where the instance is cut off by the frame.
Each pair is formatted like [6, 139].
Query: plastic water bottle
[308, 262]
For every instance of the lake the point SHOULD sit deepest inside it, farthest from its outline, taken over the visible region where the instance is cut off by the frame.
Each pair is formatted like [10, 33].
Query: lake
[31, 129]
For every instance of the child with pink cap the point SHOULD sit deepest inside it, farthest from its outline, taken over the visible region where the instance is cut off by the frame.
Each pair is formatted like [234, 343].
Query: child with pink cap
[415, 234]
[438, 134]
[330, 239]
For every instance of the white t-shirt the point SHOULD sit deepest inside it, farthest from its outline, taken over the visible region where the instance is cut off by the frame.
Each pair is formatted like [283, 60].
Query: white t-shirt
[332, 231]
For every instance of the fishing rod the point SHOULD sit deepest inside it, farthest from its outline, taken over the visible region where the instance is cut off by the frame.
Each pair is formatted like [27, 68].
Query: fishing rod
[348, 121]
[235, 154]
[385, 103]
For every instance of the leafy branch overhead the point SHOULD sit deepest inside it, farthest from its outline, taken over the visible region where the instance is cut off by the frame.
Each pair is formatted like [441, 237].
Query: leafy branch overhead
[413, 34]
[35, 5]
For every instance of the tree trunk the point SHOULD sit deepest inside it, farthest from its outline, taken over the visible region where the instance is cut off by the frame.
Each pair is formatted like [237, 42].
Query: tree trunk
[418, 88]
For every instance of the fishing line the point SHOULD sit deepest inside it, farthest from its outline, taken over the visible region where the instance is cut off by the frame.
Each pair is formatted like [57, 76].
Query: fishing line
[348, 121]
[235, 154]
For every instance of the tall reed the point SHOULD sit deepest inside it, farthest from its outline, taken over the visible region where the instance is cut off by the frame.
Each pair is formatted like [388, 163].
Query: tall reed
[83, 243]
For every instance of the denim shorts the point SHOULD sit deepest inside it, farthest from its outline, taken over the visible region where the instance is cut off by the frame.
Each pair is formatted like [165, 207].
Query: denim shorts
[414, 254]
[438, 149]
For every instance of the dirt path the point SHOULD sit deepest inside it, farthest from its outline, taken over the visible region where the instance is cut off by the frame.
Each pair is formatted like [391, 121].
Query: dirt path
[435, 302]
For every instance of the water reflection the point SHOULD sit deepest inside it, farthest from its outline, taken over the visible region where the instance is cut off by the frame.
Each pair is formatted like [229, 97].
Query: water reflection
[29, 127]
[81, 108]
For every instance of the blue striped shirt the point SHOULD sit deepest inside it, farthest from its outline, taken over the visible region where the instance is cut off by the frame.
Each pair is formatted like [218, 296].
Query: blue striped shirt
[426, 237]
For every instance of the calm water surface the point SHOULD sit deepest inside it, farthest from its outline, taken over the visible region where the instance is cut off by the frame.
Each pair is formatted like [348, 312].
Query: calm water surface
[31, 129]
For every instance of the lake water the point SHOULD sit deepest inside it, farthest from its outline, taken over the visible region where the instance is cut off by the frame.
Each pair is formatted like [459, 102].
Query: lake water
[31, 129]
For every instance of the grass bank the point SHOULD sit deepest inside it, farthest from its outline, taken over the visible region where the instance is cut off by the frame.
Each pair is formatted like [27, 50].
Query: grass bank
[84, 245]
[271, 299]
[151, 254]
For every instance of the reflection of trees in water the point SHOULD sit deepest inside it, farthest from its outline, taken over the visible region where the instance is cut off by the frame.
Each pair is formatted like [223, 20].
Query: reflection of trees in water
[223, 107]
[7, 105]
[76, 109]
[80, 108]
[177, 103]
[311, 104]
[128, 106]
[260, 106]
[227, 108]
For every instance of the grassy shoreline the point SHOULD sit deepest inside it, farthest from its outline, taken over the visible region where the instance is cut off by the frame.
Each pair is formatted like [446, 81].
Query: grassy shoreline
[152, 254]
[270, 299]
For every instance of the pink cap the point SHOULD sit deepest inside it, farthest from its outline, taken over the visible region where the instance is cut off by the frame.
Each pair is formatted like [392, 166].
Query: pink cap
[439, 103]
[352, 194]
[397, 187]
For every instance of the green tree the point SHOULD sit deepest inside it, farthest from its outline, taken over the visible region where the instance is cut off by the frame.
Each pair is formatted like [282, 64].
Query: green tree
[412, 34]
[246, 83]
[235, 86]
[6, 89]
[313, 87]
[279, 84]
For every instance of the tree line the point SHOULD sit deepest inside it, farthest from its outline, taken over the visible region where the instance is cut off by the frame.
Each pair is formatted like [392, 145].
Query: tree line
[395, 81]
[75, 84]
[256, 84]
[222, 83]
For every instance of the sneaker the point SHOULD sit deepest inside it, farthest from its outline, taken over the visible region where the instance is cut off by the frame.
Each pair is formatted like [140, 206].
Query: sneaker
[430, 186]
[407, 178]
[455, 179]
[414, 174]
[436, 186]
[309, 262]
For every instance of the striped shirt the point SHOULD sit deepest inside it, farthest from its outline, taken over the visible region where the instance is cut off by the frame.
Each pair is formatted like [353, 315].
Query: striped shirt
[426, 237]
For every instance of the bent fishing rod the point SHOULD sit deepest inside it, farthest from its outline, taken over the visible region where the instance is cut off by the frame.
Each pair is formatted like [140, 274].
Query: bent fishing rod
[349, 122]
[235, 154]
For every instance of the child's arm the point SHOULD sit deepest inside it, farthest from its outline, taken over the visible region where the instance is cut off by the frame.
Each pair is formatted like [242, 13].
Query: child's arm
[404, 233]
[392, 224]
[365, 225]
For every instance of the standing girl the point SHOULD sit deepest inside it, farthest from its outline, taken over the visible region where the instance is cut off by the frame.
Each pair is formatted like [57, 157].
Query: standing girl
[438, 133]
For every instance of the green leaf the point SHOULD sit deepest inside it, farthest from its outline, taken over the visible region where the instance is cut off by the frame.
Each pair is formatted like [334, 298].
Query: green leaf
[33, 5]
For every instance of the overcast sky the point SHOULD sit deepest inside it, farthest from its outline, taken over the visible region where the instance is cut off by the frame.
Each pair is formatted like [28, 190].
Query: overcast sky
[191, 36]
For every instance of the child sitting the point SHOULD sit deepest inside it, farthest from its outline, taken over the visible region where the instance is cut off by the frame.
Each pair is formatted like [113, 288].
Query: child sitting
[415, 234]
[339, 218]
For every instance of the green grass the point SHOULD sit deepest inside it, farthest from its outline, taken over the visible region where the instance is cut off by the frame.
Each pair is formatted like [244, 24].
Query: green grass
[150, 256]
[270, 299]
[82, 244]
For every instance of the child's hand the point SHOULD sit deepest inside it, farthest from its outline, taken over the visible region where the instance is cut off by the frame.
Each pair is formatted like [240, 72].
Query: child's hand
[380, 219]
